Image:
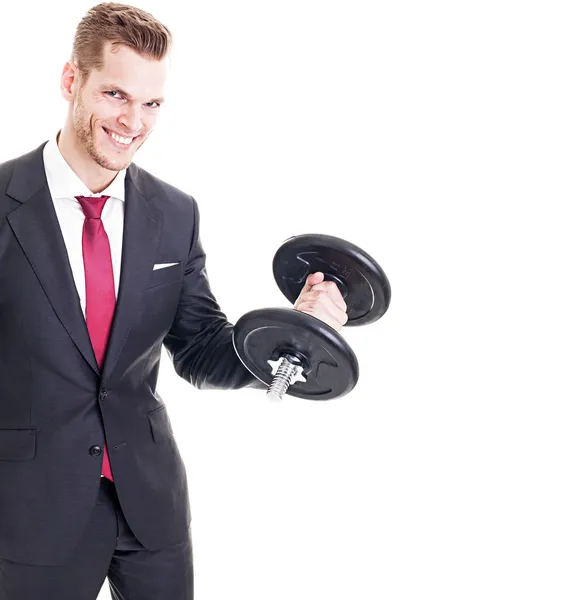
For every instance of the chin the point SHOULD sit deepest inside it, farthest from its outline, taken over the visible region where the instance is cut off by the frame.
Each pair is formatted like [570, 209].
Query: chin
[110, 159]
[116, 165]
[109, 162]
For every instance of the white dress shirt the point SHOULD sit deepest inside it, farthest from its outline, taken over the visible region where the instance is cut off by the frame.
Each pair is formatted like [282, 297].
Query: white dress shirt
[64, 185]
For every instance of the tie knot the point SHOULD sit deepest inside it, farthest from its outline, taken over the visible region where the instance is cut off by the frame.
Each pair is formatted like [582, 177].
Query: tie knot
[92, 205]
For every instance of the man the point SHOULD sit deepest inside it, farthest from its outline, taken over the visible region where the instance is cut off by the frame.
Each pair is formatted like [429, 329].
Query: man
[100, 266]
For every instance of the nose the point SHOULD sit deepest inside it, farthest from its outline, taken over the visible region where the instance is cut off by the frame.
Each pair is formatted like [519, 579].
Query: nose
[131, 117]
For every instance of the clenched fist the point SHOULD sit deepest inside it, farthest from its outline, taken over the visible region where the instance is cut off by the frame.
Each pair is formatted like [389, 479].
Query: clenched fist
[323, 300]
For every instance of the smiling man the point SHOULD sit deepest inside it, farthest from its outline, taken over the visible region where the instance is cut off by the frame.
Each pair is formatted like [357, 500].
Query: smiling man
[106, 124]
[100, 267]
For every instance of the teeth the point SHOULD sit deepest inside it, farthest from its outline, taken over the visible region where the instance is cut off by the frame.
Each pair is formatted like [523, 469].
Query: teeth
[120, 139]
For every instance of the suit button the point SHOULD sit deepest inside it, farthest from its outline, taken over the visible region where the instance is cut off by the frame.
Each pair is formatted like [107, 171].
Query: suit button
[103, 393]
[95, 450]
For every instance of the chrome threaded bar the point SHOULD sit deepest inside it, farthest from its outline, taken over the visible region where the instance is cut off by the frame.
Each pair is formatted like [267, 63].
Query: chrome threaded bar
[282, 379]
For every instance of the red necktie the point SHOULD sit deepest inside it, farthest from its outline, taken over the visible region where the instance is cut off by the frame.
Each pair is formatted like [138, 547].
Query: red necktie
[99, 285]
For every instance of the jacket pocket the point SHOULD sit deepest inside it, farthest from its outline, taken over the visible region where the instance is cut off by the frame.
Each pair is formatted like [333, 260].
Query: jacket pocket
[160, 424]
[166, 275]
[18, 444]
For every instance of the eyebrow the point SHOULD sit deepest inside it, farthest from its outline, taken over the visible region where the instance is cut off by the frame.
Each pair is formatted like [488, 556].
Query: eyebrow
[115, 88]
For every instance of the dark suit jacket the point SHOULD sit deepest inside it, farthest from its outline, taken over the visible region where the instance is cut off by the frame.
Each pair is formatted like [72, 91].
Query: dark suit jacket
[55, 404]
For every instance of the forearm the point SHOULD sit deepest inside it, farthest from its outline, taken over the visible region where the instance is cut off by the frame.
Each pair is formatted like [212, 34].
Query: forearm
[212, 364]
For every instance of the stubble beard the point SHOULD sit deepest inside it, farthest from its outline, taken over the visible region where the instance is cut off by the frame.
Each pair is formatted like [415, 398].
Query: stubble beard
[86, 134]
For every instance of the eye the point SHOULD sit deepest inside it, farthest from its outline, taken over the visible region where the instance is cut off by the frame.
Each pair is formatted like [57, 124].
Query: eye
[112, 92]
[151, 104]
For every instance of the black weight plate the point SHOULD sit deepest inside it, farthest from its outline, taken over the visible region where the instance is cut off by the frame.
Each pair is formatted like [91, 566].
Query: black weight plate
[329, 364]
[361, 280]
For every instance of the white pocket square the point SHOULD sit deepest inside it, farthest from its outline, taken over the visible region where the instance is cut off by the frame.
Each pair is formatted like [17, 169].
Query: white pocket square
[163, 265]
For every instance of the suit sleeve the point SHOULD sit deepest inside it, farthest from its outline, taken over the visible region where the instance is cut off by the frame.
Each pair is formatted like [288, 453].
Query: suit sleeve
[200, 339]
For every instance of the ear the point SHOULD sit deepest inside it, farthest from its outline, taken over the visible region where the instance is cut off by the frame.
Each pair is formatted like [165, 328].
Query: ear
[69, 80]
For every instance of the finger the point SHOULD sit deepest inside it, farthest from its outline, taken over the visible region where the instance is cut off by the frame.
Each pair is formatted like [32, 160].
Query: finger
[327, 302]
[318, 294]
[325, 309]
[312, 279]
[330, 287]
[335, 319]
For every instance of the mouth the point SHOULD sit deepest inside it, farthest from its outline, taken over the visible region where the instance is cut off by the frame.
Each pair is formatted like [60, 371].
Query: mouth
[118, 141]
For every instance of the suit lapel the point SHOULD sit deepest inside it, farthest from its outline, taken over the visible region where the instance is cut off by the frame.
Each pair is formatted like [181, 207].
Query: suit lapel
[37, 228]
[142, 227]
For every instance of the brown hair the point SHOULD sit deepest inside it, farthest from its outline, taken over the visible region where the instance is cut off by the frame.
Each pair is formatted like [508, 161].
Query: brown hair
[120, 24]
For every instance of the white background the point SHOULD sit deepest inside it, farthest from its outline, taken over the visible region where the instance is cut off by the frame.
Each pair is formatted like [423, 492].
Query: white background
[447, 139]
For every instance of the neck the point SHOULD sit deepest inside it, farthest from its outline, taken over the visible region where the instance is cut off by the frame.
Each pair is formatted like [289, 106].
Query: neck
[95, 177]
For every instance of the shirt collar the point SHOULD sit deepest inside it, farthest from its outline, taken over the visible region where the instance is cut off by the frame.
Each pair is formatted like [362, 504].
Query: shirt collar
[64, 183]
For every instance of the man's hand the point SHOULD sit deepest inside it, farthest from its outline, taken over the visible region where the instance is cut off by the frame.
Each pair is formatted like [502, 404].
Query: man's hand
[322, 299]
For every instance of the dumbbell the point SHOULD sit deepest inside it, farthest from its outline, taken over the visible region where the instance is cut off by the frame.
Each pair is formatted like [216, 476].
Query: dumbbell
[295, 353]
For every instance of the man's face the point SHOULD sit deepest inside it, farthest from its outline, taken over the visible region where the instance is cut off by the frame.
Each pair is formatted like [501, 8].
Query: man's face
[121, 100]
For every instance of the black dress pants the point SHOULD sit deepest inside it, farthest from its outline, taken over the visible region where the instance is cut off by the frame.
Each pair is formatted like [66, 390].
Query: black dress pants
[109, 549]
